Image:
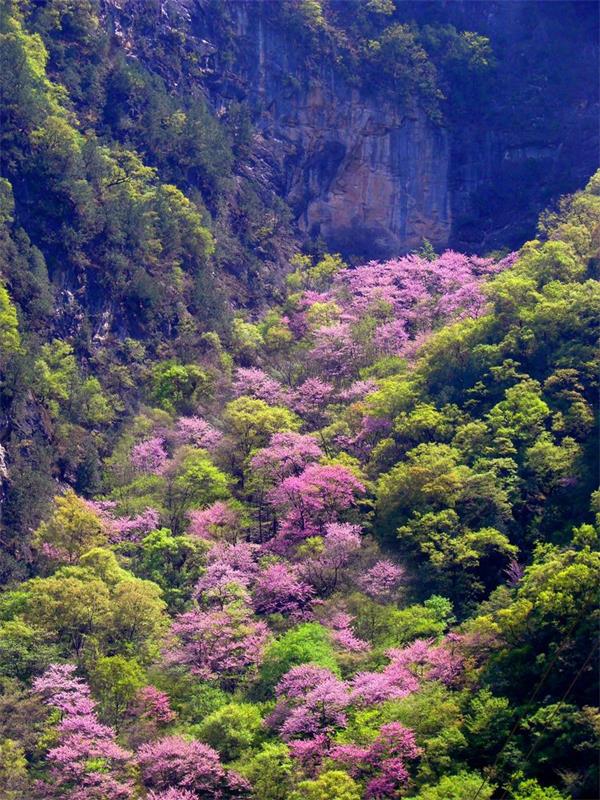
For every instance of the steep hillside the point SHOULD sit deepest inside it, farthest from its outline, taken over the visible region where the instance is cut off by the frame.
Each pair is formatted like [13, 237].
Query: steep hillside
[297, 503]
[352, 557]
[382, 124]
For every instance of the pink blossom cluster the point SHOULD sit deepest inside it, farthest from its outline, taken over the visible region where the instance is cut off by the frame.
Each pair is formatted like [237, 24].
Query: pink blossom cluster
[408, 667]
[382, 579]
[406, 297]
[307, 502]
[152, 704]
[220, 644]
[257, 383]
[343, 636]
[82, 739]
[286, 454]
[339, 543]
[382, 763]
[120, 528]
[230, 567]
[311, 702]
[174, 768]
[150, 456]
[218, 521]
[197, 432]
[279, 589]
[311, 398]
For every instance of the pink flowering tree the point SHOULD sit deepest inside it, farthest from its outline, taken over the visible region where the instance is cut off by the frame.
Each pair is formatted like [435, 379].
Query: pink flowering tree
[306, 503]
[254, 382]
[357, 391]
[197, 432]
[383, 763]
[218, 521]
[188, 767]
[312, 702]
[150, 456]
[151, 703]
[335, 353]
[403, 299]
[171, 794]
[230, 570]
[311, 398]
[280, 590]
[407, 669]
[86, 763]
[382, 580]
[223, 644]
[325, 558]
[132, 528]
[343, 636]
[148, 714]
[286, 454]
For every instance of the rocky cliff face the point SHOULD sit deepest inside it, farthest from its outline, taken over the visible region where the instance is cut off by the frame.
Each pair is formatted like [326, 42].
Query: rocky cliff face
[374, 178]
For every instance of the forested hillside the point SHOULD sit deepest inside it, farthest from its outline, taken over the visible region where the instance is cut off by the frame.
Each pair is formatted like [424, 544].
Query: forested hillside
[277, 526]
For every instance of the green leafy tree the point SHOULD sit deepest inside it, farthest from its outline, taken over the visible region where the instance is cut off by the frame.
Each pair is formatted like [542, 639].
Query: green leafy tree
[461, 786]
[332, 785]
[306, 643]
[192, 481]
[115, 680]
[232, 730]
[531, 790]
[271, 772]
[172, 562]
[72, 529]
[72, 608]
[10, 341]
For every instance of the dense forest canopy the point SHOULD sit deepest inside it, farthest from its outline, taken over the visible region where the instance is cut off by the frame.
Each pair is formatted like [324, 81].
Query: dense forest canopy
[325, 531]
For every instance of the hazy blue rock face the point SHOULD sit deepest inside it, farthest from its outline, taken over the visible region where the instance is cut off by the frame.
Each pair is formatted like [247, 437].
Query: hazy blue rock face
[373, 176]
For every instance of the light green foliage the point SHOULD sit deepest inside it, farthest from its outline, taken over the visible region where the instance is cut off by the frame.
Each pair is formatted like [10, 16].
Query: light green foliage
[333, 785]
[115, 681]
[9, 327]
[179, 386]
[24, 651]
[13, 770]
[55, 372]
[193, 481]
[309, 642]
[531, 790]
[275, 333]
[172, 562]
[317, 276]
[271, 772]
[462, 786]
[93, 406]
[246, 336]
[84, 615]
[72, 608]
[232, 730]
[520, 418]
[488, 721]
[72, 529]
[195, 700]
[562, 585]
[103, 563]
[138, 620]
[252, 422]
[387, 626]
